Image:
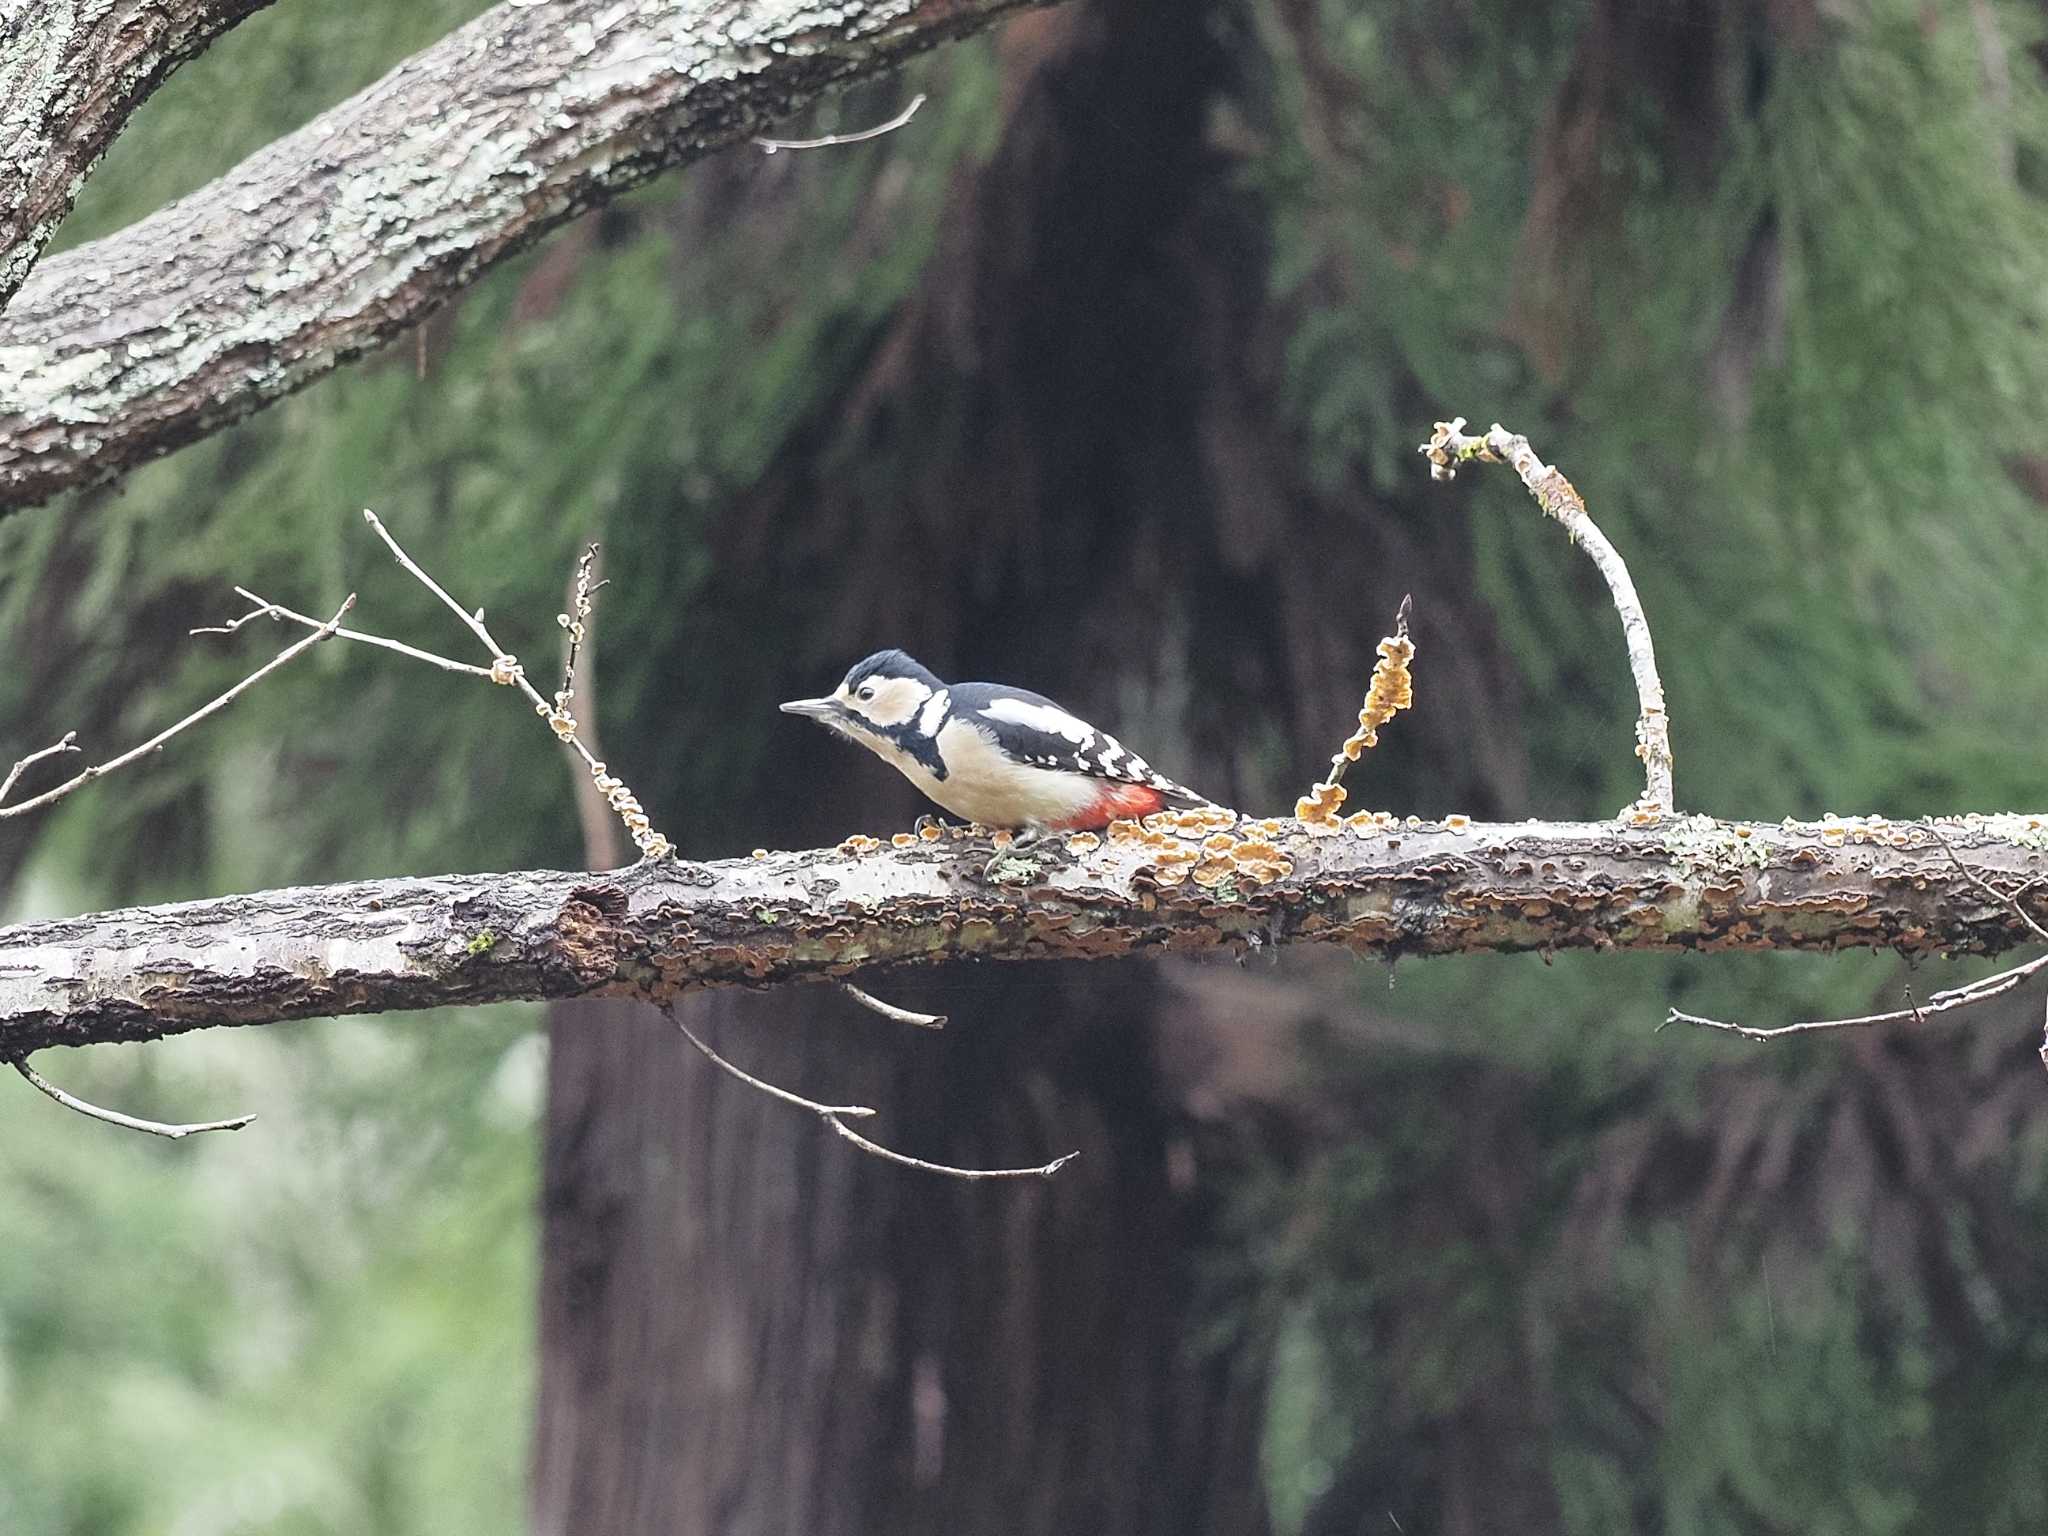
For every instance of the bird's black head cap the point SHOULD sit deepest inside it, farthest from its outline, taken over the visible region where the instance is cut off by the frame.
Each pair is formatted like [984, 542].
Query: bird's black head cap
[891, 664]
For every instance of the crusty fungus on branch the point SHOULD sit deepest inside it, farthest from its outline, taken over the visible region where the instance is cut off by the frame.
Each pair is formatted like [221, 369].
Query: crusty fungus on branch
[1949, 998]
[1392, 690]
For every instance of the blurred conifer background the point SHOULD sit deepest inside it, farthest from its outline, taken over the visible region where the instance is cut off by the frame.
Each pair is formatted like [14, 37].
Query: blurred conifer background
[1104, 376]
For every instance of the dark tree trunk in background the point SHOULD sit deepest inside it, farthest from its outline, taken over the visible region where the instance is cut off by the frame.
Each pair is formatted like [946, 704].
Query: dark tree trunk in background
[748, 1327]
[1058, 463]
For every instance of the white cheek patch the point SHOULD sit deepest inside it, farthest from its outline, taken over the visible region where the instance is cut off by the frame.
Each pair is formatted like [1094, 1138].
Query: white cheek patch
[933, 715]
[1040, 717]
[897, 700]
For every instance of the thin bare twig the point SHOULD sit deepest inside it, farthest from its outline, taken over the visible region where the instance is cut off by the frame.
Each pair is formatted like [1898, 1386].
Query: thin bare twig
[1940, 1002]
[770, 146]
[473, 621]
[773, 1092]
[66, 743]
[601, 845]
[127, 1122]
[835, 1115]
[505, 669]
[214, 706]
[1994, 985]
[574, 624]
[274, 611]
[876, 1149]
[890, 1011]
[1448, 448]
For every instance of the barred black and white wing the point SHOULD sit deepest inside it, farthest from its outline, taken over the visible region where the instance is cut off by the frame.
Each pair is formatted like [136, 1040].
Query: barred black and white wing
[1032, 729]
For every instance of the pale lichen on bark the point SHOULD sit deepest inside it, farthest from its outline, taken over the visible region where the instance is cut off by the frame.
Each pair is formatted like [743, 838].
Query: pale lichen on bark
[336, 238]
[71, 74]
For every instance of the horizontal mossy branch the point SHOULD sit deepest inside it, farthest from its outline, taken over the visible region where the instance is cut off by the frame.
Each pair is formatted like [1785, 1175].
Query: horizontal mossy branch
[667, 926]
[334, 239]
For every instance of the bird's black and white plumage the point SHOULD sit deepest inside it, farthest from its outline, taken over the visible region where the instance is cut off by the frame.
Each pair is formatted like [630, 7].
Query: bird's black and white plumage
[1001, 756]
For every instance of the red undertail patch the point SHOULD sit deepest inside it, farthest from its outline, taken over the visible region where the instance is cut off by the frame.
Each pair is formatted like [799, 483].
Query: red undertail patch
[1116, 802]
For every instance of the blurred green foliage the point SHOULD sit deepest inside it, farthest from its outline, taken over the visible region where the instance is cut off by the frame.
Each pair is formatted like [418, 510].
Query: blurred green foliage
[1786, 331]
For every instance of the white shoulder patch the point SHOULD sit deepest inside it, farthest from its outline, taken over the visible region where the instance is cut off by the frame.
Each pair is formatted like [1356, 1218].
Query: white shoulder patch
[934, 712]
[1040, 717]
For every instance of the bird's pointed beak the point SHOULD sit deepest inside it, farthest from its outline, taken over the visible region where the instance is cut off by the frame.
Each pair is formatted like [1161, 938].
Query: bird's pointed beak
[817, 709]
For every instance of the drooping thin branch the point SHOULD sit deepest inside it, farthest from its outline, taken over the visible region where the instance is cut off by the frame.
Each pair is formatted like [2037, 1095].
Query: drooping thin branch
[836, 1115]
[770, 146]
[827, 1110]
[1940, 1002]
[1448, 448]
[127, 1122]
[214, 706]
[1995, 985]
[876, 1149]
[874, 1004]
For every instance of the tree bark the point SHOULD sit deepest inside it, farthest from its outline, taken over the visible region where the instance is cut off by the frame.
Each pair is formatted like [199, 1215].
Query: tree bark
[337, 238]
[72, 72]
[661, 929]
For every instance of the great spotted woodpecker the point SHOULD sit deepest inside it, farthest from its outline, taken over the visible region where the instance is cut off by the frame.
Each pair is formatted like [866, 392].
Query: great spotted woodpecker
[996, 755]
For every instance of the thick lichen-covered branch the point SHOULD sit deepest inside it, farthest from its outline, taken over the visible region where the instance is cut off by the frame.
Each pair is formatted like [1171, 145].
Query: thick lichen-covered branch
[72, 72]
[1384, 888]
[335, 239]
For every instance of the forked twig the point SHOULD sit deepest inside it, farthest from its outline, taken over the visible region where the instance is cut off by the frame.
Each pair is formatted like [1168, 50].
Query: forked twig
[836, 1115]
[505, 669]
[127, 1122]
[63, 744]
[213, 706]
[1448, 448]
[273, 611]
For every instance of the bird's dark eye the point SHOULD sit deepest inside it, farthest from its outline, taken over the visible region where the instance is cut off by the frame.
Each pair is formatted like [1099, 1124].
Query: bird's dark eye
[867, 692]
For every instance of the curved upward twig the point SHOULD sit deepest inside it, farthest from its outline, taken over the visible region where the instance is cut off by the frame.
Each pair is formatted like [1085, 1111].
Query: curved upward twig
[1448, 448]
